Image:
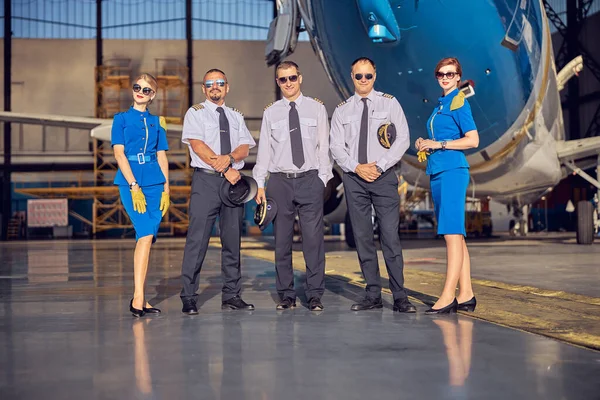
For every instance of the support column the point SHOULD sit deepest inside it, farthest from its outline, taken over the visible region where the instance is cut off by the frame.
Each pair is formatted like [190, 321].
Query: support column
[7, 168]
[190, 51]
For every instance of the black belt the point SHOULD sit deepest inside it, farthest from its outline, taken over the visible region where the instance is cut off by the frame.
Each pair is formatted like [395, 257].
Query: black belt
[295, 175]
[209, 172]
[380, 176]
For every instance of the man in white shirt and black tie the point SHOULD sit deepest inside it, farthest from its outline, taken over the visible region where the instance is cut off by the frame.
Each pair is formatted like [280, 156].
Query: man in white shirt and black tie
[293, 150]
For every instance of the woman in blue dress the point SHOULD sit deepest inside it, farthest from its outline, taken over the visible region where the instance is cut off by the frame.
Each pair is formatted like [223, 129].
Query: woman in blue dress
[451, 130]
[139, 141]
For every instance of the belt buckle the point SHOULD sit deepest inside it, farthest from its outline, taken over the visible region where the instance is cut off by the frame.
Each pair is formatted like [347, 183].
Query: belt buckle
[290, 175]
[141, 158]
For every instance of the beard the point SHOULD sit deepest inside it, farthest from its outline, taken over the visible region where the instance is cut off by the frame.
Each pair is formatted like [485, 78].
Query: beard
[215, 96]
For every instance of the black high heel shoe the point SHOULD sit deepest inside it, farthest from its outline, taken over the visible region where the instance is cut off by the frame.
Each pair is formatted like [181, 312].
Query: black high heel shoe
[151, 310]
[468, 305]
[134, 311]
[449, 309]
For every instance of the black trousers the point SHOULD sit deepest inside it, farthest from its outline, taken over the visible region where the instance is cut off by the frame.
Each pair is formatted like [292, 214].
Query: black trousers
[383, 196]
[205, 206]
[304, 195]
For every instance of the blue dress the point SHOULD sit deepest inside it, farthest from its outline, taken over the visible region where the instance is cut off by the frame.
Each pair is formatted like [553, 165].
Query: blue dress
[142, 134]
[448, 169]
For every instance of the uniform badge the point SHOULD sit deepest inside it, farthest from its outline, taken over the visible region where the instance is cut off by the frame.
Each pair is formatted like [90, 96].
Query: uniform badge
[387, 135]
[198, 106]
[341, 104]
[237, 111]
[317, 100]
[389, 96]
[268, 105]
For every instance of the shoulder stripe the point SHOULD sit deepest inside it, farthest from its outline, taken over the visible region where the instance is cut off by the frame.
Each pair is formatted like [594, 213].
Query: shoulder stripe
[237, 111]
[268, 105]
[317, 100]
[198, 106]
[458, 101]
[163, 122]
[389, 96]
[342, 103]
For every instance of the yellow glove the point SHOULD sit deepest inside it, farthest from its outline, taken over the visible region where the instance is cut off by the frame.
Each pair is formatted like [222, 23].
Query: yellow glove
[165, 202]
[422, 156]
[139, 201]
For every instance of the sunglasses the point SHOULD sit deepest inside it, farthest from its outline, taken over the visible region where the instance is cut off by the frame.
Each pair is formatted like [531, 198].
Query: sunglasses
[449, 75]
[219, 82]
[284, 79]
[147, 91]
[359, 77]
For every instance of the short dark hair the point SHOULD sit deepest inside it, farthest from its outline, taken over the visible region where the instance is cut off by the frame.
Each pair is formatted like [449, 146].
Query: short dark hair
[210, 71]
[364, 59]
[286, 65]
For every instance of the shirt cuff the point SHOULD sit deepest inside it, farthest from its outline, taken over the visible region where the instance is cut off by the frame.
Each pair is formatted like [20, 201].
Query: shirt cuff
[381, 164]
[351, 165]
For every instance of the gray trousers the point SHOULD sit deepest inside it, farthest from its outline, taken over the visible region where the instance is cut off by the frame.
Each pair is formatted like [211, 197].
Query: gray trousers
[205, 206]
[383, 196]
[305, 195]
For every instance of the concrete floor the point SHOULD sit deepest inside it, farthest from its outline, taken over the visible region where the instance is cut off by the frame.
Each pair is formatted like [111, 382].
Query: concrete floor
[65, 332]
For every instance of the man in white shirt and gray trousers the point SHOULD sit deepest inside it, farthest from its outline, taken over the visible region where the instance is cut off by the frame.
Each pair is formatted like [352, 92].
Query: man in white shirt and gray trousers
[370, 181]
[293, 149]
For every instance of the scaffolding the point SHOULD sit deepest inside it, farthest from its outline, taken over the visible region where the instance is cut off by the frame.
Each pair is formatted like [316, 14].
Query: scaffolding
[112, 85]
[172, 96]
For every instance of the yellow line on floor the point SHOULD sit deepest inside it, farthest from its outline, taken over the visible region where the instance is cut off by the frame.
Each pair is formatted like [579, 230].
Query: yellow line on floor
[564, 316]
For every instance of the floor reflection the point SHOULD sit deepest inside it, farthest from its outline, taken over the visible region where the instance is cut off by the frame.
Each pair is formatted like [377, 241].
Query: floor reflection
[458, 339]
[143, 376]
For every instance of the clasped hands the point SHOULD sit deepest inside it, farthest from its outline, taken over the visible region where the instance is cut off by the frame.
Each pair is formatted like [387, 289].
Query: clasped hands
[424, 147]
[222, 164]
[368, 172]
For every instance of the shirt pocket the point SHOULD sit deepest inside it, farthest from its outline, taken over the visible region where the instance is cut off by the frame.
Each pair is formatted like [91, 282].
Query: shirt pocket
[279, 130]
[309, 128]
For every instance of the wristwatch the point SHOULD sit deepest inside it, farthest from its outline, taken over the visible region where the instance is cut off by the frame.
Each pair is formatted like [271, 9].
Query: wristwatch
[231, 159]
[379, 169]
[444, 145]
[132, 184]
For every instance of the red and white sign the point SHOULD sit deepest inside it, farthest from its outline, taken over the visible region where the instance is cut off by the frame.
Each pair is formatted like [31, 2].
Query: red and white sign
[47, 212]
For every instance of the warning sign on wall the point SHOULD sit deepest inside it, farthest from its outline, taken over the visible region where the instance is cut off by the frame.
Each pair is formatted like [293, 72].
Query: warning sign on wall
[47, 212]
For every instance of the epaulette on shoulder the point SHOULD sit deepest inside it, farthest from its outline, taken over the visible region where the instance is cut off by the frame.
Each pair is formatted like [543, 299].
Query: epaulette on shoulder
[458, 101]
[268, 105]
[198, 106]
[237, 111]
[386, 95]
[317, 100]
[342, 103]
[163, 123]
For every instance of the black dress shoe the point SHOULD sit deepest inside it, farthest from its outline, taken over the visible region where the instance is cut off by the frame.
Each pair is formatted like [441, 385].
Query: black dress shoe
[367, 304]
[151, 310]
[236, 303]
[449, 309]
[468, 305]
[286, 303]
[134, 311]
[189, 307]
[314, 304]
[405, 306]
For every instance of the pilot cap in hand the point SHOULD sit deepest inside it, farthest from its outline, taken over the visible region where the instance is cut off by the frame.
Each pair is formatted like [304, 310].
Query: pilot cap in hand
[265, 213]
[242, 192]
[386, 135]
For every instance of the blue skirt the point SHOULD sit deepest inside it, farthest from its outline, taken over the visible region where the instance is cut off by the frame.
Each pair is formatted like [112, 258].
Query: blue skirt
[147, 223]
[449, 192]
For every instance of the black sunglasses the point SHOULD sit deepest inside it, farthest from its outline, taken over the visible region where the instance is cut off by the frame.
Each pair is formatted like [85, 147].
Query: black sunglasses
[147, 91]
[359, 77]
[449, 75]
[284, 79]
[219, 82]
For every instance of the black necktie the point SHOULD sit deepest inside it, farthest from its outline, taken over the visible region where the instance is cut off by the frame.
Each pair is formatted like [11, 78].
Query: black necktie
[296, 137]
[364, 130]
[224, 129]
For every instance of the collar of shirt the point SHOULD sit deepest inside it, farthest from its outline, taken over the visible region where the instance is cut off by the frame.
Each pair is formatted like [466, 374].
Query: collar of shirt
[212, 106]
[298, 101]
[447, 99]
[370, 96]
[142, 113]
